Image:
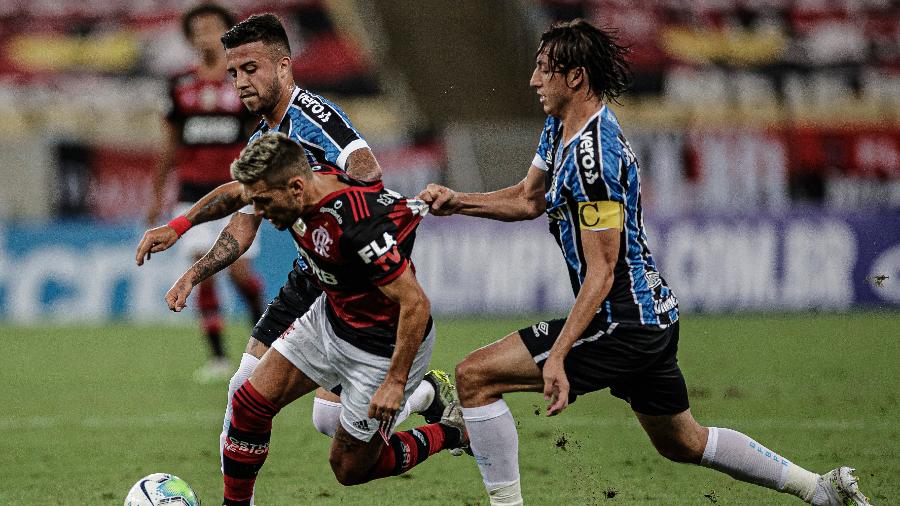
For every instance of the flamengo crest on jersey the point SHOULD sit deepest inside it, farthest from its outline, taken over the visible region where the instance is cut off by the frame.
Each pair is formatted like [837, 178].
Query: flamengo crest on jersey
[593, 183]
[352, 242]
[320, 126]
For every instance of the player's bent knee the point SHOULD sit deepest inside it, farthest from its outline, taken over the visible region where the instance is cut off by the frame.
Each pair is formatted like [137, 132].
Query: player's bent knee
[468, 381]
[345, 473]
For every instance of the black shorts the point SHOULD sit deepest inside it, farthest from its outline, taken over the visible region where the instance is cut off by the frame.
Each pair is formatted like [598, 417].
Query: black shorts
[292, 302]
[637, 363]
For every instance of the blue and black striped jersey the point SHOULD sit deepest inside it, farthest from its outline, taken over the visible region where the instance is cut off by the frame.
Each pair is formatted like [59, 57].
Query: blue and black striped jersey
[320, 126]
[593, 183]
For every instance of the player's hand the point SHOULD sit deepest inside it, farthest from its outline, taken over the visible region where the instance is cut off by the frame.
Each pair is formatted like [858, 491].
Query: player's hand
[387, 400]
[443, 200]
[556, 386]
[177, 296]
[155, 240]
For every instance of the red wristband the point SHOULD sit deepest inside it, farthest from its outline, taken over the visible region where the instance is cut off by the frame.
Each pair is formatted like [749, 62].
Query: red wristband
[180, 225]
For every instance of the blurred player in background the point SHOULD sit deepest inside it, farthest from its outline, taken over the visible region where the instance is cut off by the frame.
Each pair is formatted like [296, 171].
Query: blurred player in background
[371, 332]
[206, 128]
[622, 332]
[258, 60]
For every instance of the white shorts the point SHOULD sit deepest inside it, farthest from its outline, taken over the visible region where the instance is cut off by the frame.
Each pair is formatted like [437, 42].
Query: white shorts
[313, 348]
[197, 241]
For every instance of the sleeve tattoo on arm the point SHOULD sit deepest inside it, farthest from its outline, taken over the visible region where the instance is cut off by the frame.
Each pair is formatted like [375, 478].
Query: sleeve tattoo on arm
[218, 207]
[223, 253]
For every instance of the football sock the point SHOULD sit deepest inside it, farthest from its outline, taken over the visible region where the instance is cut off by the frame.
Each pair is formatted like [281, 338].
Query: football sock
[417, 402]
[406, 450]
[742, 458]
[495, 444]
[247, 444]
[326, 415]
[245, 369]
[251, 291]
[210, 320]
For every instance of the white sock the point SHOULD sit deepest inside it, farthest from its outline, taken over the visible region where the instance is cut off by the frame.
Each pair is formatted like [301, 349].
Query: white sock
[744, 459]
[495, 444]
[243, 373]
[326, 415]
[419, 400]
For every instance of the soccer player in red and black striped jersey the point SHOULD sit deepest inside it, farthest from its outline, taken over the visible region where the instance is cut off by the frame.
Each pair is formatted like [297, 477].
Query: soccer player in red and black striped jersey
[206, 127]
[258, 58]
[371, 333]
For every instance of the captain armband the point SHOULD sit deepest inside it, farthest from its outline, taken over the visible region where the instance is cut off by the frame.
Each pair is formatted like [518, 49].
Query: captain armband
[601, 215]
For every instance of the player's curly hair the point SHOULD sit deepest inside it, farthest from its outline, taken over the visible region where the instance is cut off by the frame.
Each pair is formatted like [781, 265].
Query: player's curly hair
[577, 43]
[266, 28]
[272, 157]
[205, 9]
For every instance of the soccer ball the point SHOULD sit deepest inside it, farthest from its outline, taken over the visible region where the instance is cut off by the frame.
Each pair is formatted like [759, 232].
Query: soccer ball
[161, 489]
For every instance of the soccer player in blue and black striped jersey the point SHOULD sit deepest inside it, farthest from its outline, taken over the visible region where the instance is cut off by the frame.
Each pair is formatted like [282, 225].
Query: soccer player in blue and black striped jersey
[622, 332]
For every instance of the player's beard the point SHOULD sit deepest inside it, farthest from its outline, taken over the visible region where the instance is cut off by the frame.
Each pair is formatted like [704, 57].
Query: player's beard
[272, 95]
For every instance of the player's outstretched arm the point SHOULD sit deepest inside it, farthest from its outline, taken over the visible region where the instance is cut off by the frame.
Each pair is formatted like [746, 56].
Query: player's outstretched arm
[601, 250]
[523, 201]
[234, 240]
[219, 203]
[362, 165]
[415, 309]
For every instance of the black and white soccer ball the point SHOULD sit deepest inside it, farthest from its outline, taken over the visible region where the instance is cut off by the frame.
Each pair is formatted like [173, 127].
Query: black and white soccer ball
[161, 489]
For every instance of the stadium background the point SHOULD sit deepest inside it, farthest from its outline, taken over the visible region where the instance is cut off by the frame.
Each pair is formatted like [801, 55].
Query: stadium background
[767, 132]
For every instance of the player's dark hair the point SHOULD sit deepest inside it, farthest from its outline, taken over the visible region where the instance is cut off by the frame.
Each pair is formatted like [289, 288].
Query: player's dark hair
[272, 157]
[265, 28]
[577, 43]
[205, 9]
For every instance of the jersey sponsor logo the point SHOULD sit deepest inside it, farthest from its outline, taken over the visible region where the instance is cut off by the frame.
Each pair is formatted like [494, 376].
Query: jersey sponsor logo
[600, 215]
[324, 276]
[388, 197]
[586, 151]
[314, 106]
[333, 213]
[665, 305]
[321, 240]
[381, 252]
[211, 130]
[653, 279]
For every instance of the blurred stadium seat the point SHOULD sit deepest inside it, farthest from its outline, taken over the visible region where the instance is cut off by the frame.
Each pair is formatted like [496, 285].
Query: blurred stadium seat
[766, 120]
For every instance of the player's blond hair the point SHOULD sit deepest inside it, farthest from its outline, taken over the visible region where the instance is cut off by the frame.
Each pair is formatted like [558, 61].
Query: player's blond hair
[272, 157]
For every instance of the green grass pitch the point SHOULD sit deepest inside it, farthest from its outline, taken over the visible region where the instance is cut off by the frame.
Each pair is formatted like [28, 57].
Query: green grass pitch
[86, 411]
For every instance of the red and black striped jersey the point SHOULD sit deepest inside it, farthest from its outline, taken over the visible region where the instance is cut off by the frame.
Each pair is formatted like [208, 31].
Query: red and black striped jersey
[212, 128]
[353, 241]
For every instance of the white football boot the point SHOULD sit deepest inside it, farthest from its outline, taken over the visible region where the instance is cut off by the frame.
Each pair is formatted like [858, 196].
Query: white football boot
[842, 488]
